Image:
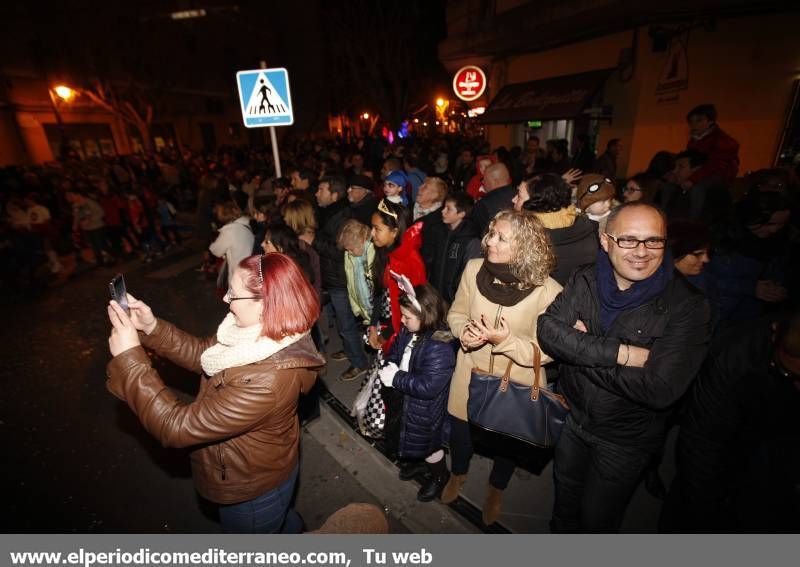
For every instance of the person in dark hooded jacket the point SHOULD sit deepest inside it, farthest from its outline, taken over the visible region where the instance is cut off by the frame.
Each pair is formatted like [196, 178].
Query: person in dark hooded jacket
[573, 236]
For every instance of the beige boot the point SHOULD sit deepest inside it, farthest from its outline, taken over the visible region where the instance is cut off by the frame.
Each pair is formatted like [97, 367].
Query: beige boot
[453, 487]
[492, 505]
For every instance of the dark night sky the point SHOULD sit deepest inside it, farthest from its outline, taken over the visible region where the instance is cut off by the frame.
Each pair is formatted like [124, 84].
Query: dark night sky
[82, 38]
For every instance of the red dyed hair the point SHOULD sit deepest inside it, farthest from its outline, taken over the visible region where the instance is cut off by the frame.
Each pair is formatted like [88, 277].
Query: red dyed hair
[291, 305]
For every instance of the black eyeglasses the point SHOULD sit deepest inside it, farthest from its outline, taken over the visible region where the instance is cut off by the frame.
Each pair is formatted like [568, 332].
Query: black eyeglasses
[231, 298]
[628, 242]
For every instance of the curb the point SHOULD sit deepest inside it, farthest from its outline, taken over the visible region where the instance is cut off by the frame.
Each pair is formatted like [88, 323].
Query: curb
[378, 476]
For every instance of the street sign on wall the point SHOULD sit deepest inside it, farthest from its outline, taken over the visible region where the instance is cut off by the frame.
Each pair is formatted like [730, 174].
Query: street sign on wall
[469, 83]
[265, 98]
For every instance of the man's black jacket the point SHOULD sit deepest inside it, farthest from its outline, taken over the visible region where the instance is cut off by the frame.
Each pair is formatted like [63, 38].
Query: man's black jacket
[331, 259]
[620, 404]
[446, 252]
[494, 202]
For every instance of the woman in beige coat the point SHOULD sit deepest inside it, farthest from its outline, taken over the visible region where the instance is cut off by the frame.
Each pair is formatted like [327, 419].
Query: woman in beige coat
[494, 315]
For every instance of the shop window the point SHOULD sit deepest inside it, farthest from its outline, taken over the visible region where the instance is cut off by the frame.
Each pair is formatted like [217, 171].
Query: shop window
[84, 140]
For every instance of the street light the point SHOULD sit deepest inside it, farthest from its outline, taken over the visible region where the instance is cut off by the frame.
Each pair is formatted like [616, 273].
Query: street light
[440, 102]
[365, 116]
[64, 92]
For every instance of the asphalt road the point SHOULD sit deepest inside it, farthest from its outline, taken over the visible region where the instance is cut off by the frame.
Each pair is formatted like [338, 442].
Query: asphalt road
[78, 460]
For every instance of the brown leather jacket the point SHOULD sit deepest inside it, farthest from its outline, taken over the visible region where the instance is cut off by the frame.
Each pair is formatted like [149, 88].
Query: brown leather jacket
[243, 422]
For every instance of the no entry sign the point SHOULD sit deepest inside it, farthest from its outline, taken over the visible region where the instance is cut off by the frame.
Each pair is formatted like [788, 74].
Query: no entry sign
[469, 83]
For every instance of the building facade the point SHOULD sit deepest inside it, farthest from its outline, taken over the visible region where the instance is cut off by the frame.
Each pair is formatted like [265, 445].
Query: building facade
[616, 69]
[34, 121]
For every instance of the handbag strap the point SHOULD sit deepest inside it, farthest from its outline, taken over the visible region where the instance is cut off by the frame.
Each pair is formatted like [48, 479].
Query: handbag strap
[537, 372]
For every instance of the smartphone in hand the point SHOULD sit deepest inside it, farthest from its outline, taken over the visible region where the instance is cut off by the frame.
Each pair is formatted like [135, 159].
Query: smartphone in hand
[119, 293]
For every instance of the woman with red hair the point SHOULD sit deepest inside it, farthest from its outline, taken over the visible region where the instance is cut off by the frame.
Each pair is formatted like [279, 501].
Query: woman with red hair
[243, 424]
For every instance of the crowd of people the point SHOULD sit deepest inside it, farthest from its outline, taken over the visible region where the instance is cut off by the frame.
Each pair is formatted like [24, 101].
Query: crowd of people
[70, 214]
[664, 299]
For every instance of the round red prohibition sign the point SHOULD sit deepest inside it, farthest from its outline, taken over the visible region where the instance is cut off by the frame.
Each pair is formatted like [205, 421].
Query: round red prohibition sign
[469, 83]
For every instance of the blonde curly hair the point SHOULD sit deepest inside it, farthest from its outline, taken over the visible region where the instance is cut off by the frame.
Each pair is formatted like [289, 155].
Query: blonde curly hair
[532, 257]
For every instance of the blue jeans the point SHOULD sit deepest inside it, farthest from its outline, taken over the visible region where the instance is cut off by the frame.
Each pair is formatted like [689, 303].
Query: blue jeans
[594, 481]
[349, 328]
[266, 514]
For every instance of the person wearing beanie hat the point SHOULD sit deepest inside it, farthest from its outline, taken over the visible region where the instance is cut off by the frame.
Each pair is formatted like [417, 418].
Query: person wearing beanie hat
[394, 187]
[689, 242]
[362, 201]
[595, 198]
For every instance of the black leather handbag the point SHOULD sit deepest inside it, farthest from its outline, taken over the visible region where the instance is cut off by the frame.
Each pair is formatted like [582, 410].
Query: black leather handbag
[533, 414]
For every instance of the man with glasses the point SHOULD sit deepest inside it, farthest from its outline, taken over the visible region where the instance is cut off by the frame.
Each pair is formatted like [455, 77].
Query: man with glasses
[630, 336]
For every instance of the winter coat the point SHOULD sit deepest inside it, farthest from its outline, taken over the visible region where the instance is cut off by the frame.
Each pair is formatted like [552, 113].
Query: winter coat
[362, 308]
[331, 259]
[446, 253]
[364, 209]
[234, 243]
[405, 260]
[425, 387]
[574, 246]
[722, 153]
[475, 186]
[625, 405]
[521, 318]
[494, 202]
[739, 435]
[243, 423]
[741, 261]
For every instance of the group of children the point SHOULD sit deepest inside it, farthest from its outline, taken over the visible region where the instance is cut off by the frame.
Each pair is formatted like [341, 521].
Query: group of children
[406, 325]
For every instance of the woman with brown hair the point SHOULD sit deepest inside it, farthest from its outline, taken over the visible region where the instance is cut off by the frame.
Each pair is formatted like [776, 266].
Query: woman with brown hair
[494, 315]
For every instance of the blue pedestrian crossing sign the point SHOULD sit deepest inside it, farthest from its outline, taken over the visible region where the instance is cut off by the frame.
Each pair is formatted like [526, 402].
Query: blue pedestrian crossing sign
[264, 97]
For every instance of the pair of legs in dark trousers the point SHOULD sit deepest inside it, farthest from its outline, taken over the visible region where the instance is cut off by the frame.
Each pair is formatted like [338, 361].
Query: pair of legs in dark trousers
[349, 328]
[594, 481]
[461, 451]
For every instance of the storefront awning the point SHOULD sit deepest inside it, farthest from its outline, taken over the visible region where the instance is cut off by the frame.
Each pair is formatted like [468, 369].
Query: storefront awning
[555, 98]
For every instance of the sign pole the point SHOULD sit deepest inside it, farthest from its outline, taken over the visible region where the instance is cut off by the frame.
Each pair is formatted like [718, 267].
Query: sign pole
[273, 138]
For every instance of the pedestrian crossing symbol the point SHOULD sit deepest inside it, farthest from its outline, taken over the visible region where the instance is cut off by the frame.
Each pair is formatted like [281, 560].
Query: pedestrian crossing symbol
[265, 98]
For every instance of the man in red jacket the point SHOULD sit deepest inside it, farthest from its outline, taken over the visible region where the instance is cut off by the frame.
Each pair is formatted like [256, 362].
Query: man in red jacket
[721, 150]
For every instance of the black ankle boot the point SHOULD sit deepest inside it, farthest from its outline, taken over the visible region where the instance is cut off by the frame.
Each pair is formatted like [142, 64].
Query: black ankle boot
[410, 470]
[433, 484]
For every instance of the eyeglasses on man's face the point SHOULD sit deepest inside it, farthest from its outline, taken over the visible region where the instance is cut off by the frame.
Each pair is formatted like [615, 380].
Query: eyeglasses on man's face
[629, 242]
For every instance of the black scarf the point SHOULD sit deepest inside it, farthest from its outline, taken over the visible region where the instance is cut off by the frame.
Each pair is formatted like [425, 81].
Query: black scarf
[614, 301]
[497, 284]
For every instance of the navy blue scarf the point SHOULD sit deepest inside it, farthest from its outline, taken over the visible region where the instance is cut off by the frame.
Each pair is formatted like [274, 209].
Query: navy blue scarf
[613, 301]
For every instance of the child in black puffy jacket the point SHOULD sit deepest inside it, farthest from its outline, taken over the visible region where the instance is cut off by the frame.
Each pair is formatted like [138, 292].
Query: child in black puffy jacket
[417, 375]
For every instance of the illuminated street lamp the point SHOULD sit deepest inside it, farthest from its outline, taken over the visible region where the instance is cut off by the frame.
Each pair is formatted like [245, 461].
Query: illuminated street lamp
[64, 92]
[365, 116]
[440, 102]
[61, 94]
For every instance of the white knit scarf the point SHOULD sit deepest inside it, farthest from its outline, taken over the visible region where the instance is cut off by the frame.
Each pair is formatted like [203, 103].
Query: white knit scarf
[238, 346]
